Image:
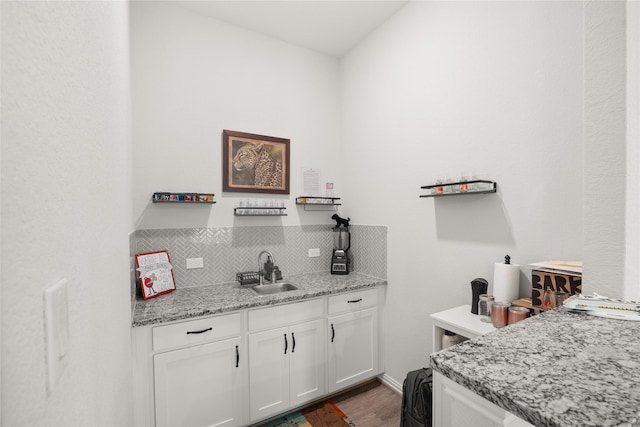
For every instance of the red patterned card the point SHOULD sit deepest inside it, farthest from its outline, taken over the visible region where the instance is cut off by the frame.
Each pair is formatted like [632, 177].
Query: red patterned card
[155, 274]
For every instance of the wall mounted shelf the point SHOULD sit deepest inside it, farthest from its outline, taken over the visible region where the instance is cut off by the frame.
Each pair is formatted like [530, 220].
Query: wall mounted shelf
[194, 198]
[312, 203]
[260, 211]
[461, 188]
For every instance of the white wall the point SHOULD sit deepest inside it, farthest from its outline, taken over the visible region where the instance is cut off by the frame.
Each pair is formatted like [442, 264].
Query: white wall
[605, 148]
[442, 88]
[448, 87]
[632, 259]
[66, 208]
[192, 77]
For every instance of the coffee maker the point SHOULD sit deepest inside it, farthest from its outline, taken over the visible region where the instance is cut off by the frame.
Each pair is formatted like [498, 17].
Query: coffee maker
[340, 258]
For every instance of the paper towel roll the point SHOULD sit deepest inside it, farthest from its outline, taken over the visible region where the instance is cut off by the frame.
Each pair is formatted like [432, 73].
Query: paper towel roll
[506, 282]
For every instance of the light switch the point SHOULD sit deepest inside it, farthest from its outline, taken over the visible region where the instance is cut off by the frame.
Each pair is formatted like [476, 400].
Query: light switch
[56, 316]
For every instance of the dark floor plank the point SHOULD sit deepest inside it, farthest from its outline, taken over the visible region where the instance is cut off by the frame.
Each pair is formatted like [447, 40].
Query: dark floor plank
[371, 405]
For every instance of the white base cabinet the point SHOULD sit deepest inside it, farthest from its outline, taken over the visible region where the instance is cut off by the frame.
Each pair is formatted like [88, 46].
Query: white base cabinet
[190, 373]
[268, 373]
[456, 406]
[286, 363]
[353, 339]
[199, 386]
[250, 365]
[286, 368]
[308, 368]
[453, 404]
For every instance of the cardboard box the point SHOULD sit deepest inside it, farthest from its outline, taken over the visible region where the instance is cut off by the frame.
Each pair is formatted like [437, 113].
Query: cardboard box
[554, 278]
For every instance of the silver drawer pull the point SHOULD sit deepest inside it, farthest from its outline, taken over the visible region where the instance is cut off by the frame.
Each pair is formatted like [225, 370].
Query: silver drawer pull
[354, 300]
[199, 332]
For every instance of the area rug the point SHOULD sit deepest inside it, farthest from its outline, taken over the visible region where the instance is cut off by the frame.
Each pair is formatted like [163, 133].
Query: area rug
[325, 414]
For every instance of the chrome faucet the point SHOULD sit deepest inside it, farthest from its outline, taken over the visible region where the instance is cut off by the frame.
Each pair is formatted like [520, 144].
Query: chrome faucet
[272, 279]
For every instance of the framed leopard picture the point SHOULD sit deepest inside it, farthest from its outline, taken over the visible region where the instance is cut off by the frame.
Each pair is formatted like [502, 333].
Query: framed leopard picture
[255, 163]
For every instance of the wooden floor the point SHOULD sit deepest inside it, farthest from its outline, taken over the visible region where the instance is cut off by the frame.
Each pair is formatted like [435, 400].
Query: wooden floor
[371, 405]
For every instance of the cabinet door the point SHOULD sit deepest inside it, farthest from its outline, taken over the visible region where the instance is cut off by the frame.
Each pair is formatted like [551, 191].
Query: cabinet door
[353, 348]
[199, 386]
[307, 362]
[269, 372]
[454, 405]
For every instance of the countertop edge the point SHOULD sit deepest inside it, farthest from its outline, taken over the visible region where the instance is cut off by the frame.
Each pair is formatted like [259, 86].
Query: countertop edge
[486, 393]
[177, 313]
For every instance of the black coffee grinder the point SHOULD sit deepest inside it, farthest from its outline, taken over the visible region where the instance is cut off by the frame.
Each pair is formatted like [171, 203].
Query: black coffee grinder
[340, 258]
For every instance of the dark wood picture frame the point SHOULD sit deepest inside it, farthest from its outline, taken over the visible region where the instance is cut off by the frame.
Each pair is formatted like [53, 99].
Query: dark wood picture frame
[255, 163]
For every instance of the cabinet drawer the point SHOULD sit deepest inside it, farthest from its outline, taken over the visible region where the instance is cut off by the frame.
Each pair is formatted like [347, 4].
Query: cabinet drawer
[196, 331]
[353, 300]
[285, 314]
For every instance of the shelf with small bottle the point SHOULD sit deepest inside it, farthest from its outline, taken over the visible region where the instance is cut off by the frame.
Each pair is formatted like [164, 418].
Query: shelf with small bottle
[195, 198]
[259, 211]
[318, 203]
[475, 186]
[260, 207]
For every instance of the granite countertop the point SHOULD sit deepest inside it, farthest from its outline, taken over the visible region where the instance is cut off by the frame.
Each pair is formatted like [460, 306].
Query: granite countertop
[559, 368]
[184, 303]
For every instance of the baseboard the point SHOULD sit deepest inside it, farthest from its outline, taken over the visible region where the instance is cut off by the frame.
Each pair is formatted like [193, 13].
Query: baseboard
[391, 383]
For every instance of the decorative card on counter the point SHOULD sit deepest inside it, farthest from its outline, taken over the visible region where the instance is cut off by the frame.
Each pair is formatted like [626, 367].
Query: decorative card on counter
[156, 274]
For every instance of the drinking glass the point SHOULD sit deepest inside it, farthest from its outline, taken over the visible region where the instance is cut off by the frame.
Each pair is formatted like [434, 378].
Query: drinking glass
[484, 307]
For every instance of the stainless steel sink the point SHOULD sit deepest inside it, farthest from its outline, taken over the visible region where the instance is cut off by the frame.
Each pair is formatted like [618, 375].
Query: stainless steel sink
[273, 288]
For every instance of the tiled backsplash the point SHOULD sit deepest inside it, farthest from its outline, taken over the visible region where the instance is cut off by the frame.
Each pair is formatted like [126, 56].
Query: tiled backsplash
[228, 250]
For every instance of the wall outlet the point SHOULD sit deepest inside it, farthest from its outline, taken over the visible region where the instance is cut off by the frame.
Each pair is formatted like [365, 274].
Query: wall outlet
[313, 253]
[194, 263]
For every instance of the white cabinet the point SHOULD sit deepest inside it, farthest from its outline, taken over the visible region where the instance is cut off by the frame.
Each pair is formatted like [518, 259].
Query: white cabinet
[190, 373]
[353, 338]
[307, 359]
[249, 365]
[199, 385]
[454, 405]
[287, 360]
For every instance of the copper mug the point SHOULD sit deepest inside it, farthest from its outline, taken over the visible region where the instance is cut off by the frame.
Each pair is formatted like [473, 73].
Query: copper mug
[500, 314]
[517, 314]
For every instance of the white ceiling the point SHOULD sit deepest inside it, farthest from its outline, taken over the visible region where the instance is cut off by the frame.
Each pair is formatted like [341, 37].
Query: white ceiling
[329, 26]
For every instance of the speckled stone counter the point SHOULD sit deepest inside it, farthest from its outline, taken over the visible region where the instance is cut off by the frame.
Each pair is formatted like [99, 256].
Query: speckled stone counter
[556, 369]
[220, 298]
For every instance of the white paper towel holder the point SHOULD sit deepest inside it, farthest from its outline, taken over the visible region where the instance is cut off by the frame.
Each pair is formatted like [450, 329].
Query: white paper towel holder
[507, 289]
